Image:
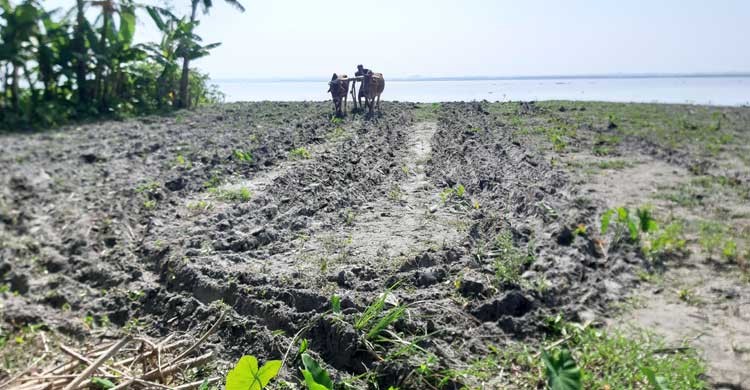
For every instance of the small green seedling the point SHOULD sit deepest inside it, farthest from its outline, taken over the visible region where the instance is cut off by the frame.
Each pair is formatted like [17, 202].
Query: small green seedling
[247, 376]
[460, 190]
[102, 383]
[561, 370]
[300, 153]
[243, 156]
[656, 382]
[316, 378]
[336, 304]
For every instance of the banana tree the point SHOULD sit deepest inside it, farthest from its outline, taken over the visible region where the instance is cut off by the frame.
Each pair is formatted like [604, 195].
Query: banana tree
[80, 53]
[165, 53]
[20, 25]
[190, 48]
[184, 99]
[54, 55]
[113, 47]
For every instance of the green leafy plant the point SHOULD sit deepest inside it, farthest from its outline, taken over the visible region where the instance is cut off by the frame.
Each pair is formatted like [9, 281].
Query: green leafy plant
[656, 382]
[460, 190]
[510, 260]
[180, 161]
[395, 193]
[376, 318]
[247, 376]
[62, 66]
[102, 383]
[628, 225]
[336, 304]
[456, 192]
[561, 370]
[666, 241]
[300, 153]
[729, 251]
[243, 156]
[190, 48]
[316, 378]
[242, 194]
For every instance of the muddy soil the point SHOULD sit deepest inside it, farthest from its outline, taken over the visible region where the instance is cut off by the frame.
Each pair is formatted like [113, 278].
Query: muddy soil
[273, 208]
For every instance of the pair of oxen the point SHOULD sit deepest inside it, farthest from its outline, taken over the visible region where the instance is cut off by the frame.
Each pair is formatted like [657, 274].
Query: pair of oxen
[372, 86]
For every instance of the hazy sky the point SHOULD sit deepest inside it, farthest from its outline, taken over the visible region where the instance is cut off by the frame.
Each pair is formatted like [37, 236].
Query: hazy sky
[303, 38]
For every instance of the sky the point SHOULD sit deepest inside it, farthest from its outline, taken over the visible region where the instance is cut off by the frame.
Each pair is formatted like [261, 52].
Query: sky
[402, 38]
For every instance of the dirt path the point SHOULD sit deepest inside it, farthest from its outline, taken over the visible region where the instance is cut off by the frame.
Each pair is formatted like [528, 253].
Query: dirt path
[386, 230]
[409, 219]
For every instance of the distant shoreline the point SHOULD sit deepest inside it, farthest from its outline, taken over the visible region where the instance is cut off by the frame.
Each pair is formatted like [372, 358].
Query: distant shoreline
[501, 78]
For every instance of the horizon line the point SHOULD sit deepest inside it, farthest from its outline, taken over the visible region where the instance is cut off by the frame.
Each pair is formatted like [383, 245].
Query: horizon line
[522, 77]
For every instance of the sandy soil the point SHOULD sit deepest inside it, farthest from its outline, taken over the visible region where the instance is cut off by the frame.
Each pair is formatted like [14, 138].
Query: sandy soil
[272, 209]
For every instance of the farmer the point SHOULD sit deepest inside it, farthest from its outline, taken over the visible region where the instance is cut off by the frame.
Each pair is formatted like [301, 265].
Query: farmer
[361, 71]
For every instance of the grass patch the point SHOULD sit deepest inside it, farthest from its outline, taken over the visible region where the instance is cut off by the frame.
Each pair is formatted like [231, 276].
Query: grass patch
[616, 360]
[241, 194]
[395, 193]
[427, 112]
[614, 164]
[199, 206]
[242, 156]
[510, 261]
[338, 134]
[300, 153]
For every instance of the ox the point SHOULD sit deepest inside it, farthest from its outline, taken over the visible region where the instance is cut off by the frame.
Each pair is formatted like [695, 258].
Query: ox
[372, 86]
[339, 87]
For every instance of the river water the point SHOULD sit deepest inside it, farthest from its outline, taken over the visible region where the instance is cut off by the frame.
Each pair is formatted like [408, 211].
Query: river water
[731, 91]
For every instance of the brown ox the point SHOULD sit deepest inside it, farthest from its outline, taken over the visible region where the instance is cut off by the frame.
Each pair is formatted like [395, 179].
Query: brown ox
[372, 86]
[338, 87]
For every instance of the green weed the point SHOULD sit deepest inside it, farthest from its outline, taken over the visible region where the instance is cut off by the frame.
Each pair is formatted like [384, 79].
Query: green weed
[613, 164]
[615, 360]
[395, 193]
[665, 242]
[376, 318]
[199, 206]
[149, 187]
[180, 161]
[300, 153]
[457, 192]
[316, 378]
[427, 112]
[627, 226]
[242, 194]
[561, 370]
[338, 133]
[242, 156]
[510, 261]
[247, 376]
[213, 182]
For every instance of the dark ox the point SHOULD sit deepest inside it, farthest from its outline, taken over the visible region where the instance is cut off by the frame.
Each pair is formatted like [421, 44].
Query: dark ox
[339, 87]
[372, 86]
